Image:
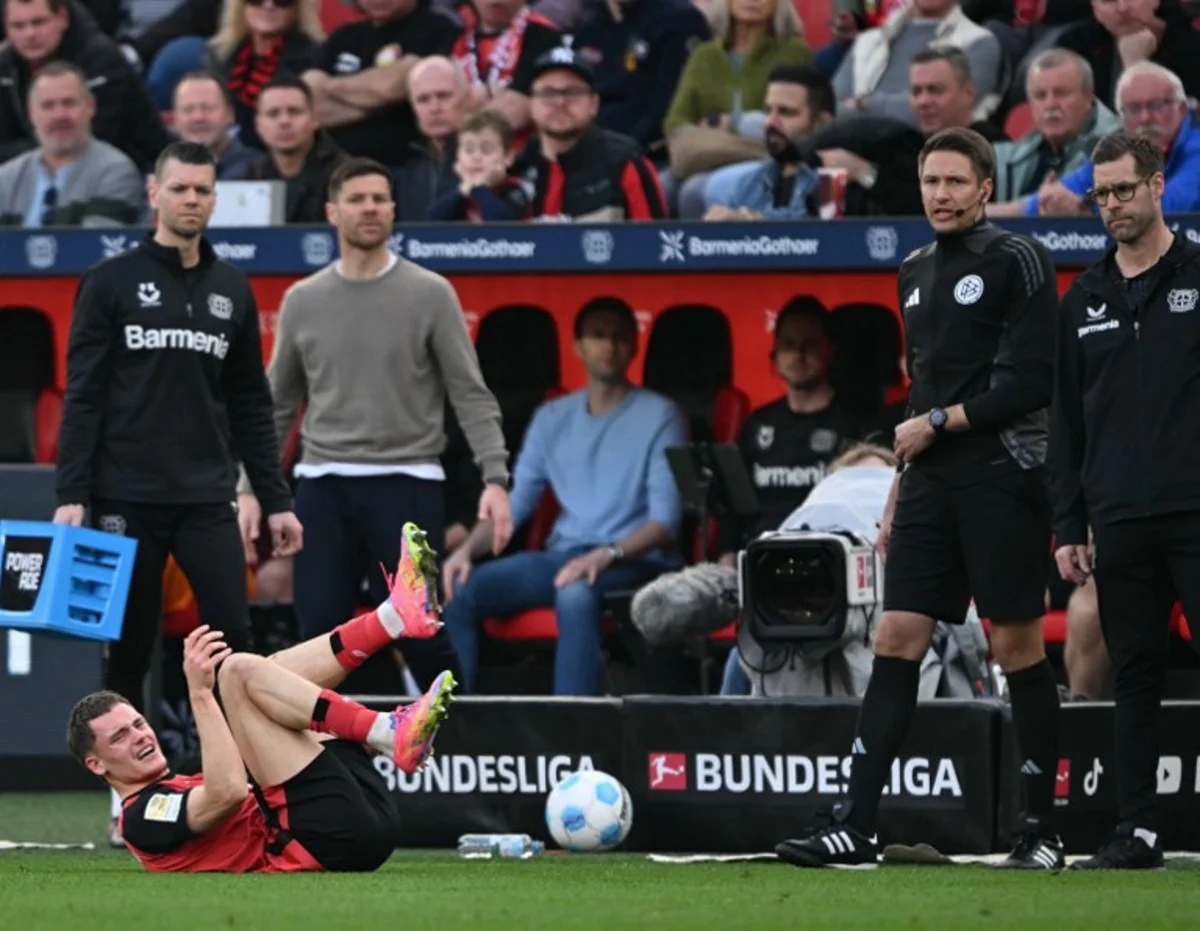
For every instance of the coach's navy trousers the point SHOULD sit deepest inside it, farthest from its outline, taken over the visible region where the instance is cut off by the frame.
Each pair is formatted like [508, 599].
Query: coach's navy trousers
[351, 528]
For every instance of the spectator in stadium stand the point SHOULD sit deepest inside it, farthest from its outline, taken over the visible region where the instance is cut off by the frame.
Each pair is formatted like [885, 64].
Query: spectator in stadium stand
[70, 179]
[372, 346]
[1124, 430]
[638, 50]
[496, 50]
[203, 113]
[437, 89]
[485, 191]
[879, 153]
[576, 170]
[715, 117]
[1068, 121]
[602, 452]
[164, 39]
[799, 102]
[848, 21]
[360, 82]
[1022, 25]
[298, 152]
[1126, 32]
[41, 31]
[258, 42]
[873, 78]
[1152, 103]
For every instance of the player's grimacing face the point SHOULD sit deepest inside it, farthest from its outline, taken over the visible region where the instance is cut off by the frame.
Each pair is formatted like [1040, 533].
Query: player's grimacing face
[364, 211]
[951, 191]
[126, 748]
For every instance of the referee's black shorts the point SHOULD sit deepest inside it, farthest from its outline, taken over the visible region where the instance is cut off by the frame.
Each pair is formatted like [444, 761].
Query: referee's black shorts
[986, 540]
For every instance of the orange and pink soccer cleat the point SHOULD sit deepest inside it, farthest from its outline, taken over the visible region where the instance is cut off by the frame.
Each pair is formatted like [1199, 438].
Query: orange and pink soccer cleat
[417, 723]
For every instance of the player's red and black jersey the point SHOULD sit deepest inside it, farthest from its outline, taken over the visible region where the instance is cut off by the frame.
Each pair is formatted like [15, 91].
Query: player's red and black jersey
[155, 829]
[603, 178]
[503, 59]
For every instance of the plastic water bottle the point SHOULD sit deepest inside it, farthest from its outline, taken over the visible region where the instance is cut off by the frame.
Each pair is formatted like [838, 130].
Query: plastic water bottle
[489, 846]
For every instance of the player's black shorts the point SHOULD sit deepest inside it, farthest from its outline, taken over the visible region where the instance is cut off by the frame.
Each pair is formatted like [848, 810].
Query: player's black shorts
[339, 809]
[987, 540]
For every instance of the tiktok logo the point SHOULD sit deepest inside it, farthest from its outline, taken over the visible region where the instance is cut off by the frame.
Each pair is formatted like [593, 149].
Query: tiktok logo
[1091, 782]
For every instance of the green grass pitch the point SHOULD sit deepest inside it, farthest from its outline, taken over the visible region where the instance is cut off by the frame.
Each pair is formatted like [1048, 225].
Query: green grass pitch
[105, 890]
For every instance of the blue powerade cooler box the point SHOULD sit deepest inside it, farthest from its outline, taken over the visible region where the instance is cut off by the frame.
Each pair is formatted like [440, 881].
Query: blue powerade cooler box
[63, 580]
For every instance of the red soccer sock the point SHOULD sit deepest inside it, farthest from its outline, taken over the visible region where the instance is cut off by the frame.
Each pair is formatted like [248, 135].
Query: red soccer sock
[358, 639]
[337, 715]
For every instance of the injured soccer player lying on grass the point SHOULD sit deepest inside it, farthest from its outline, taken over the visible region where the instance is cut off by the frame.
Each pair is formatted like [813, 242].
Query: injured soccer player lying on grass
[314, 800]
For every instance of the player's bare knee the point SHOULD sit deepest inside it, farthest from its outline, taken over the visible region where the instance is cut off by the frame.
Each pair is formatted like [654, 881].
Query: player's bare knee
[903, 635]
[237, 669]
[1083, 618]
[1018, 645]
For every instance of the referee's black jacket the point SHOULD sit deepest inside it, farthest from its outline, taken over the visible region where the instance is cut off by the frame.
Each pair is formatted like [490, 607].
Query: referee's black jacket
[165, 385]
[979, 314]
[1125, 435]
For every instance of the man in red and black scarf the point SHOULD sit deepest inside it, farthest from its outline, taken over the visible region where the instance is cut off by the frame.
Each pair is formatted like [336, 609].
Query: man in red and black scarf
[500, 41]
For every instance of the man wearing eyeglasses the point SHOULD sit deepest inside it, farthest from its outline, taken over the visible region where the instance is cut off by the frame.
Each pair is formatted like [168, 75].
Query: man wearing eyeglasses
[576, 170]
[1153, 105]
[1125, 428]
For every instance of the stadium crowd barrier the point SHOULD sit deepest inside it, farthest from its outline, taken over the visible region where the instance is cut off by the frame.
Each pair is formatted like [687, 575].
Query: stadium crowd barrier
[654, 266]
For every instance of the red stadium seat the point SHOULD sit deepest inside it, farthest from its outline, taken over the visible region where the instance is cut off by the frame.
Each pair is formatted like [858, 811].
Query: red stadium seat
[47, 419]
[1019, 121]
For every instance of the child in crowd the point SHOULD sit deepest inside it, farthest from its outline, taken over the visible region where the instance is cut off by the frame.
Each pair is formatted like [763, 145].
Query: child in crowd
[485, 192]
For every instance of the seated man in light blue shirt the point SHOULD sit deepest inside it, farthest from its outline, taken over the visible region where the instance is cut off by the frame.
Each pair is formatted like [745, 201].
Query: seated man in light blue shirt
[1151, 102]
[602, 452]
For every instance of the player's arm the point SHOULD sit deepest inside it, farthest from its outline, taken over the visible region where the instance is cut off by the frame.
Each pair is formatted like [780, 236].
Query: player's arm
[90, 351]
[225, 786]
[251, 414]
[1027, 349]
[1067, 435]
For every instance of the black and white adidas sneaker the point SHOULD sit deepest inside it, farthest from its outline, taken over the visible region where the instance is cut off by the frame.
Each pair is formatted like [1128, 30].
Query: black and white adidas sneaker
[1035, 852]
[838, 845]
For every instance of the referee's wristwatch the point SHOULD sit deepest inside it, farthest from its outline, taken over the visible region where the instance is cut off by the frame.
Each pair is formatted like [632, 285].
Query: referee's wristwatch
[937, 420]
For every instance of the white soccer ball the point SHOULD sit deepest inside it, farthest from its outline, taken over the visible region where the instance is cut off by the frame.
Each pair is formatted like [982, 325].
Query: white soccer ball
[589, 812]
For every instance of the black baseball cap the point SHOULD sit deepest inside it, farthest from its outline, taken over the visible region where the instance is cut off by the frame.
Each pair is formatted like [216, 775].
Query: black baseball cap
[564, 58]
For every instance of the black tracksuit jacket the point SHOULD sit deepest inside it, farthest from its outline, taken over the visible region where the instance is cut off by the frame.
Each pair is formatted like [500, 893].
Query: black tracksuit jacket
[1125, 433]
[165, 385]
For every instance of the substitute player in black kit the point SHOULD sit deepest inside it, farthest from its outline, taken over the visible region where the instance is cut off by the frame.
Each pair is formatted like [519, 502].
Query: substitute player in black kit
[1125, 458]
[166, 390]
[968, 514]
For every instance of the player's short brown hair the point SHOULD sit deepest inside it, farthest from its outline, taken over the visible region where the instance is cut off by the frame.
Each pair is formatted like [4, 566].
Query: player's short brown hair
[80, 736]
[483, 120]
[965, 142]
[1147, 157]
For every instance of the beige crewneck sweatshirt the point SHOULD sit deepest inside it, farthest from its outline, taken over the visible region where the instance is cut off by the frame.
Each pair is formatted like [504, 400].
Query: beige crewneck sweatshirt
[374, 361]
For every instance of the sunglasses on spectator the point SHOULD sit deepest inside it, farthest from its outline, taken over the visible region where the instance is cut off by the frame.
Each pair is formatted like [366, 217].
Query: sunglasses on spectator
[278, 4]
[1123, 191]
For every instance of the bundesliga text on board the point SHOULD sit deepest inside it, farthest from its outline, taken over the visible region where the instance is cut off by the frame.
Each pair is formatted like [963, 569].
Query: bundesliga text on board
[793, 774]
[485, 774]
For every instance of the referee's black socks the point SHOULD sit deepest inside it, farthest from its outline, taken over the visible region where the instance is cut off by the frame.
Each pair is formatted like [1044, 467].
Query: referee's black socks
[883, 722]
[1034, 695]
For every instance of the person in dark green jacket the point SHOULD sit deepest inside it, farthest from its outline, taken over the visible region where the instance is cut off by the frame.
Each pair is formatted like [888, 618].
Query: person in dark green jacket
[724, 82]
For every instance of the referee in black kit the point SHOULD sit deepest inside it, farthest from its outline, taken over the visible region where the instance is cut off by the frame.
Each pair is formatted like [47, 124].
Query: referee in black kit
[1125, 457]
[968, 515]
[165, 390]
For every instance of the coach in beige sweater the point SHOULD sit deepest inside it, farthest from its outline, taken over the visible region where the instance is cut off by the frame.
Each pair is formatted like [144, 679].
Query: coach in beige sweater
[373, 345]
